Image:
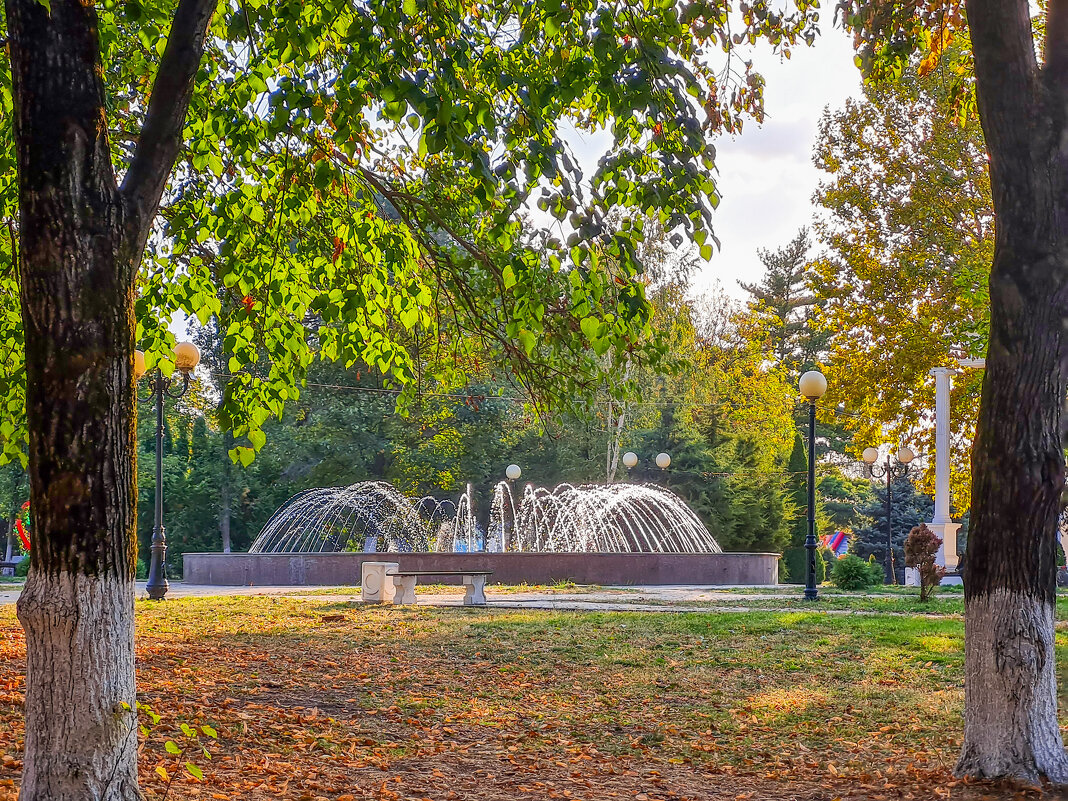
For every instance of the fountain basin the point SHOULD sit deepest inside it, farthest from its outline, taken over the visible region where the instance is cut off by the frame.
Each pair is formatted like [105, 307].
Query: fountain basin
[325, 569]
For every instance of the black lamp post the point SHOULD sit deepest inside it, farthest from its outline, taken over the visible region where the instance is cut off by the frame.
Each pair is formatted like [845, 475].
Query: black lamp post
[512, 474]
[812, 385]
[892, 471]
[186, 357]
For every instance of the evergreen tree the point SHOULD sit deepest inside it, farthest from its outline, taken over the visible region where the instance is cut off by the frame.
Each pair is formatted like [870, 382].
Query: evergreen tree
[909, 509]
[797, 468]
[783, 307]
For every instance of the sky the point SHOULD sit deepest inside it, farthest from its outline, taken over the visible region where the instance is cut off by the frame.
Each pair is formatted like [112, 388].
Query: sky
[765, 175]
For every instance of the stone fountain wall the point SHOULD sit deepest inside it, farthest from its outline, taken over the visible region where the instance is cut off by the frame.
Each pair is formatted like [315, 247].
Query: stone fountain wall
[308, 569]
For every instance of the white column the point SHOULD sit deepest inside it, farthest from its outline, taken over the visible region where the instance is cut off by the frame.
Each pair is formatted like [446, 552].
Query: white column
[943, 378]
[943, 524]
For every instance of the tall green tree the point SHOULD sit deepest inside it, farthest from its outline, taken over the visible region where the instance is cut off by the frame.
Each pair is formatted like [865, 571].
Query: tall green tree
[167, 149]
[909, 235]
[783, 307]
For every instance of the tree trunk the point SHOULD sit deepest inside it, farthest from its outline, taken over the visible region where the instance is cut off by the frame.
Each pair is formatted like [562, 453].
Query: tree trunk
[224, 492]
[77, 310]
[81, 240]
[1010, 718]
[1010, 722]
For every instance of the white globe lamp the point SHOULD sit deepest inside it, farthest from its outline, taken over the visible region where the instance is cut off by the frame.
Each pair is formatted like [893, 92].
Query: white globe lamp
[813, 384]
[139, 364]
[186, 356]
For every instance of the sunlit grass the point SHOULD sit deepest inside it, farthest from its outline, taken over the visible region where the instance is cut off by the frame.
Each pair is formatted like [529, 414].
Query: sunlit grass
[336, 687]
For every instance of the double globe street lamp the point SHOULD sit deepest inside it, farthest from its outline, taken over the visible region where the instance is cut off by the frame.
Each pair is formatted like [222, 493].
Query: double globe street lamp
[630, 459]
[813, 385]
[892, 470]
[186, 357]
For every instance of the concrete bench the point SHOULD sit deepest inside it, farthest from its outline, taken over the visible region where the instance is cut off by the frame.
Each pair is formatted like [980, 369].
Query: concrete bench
[376, 582]
[474, 584]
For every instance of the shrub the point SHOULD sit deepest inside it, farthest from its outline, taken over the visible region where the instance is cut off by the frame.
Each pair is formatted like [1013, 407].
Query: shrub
[921, 547]
[795, 559]
[878, 575]
[851, 573]
[23, 568]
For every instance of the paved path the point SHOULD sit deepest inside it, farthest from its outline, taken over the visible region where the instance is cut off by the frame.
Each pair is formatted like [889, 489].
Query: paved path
[606, 598]
[680, 598]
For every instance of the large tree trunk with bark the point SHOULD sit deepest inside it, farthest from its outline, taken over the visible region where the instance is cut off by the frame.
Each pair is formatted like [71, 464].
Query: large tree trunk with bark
[77, 305]
[81, 237]
[1010, 726]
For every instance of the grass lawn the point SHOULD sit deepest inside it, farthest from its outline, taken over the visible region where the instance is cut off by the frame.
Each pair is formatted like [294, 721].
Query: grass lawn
[314, 698]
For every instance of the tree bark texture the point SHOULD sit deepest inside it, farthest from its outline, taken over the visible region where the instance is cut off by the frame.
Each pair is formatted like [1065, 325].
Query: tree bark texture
[1010, 720]
[81, 241]
[77, 307]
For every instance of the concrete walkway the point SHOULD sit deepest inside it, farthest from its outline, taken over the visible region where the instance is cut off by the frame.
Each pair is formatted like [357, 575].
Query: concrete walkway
[653, 598]
[649, 598]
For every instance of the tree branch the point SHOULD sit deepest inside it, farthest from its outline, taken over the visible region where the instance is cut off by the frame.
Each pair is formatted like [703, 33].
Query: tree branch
[161, 134]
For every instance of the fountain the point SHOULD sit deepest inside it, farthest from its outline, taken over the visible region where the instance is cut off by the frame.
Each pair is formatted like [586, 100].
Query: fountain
[589, 534]
[367, 516]
[373, 516]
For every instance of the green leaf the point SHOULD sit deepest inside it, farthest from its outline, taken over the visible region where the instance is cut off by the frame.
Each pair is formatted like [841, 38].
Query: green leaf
[209, 731]
[172, 747]
[508, 276]
[527, 340]
[194, 771]
[591, 327]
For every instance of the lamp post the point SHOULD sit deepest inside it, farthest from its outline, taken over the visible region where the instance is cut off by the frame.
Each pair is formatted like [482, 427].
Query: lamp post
[891, 470]
[512, 473]
[812, 385]
[186, 357]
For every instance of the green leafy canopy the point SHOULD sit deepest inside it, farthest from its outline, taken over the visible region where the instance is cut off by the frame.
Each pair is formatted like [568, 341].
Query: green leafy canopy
[356, 178]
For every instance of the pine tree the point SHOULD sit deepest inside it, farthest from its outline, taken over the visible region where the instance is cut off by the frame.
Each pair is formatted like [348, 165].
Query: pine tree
[783, 307]
[797, 467]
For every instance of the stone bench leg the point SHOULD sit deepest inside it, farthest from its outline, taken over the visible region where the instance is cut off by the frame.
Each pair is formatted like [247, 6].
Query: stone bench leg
[376, 583]
[405, 589]
[474, 590]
